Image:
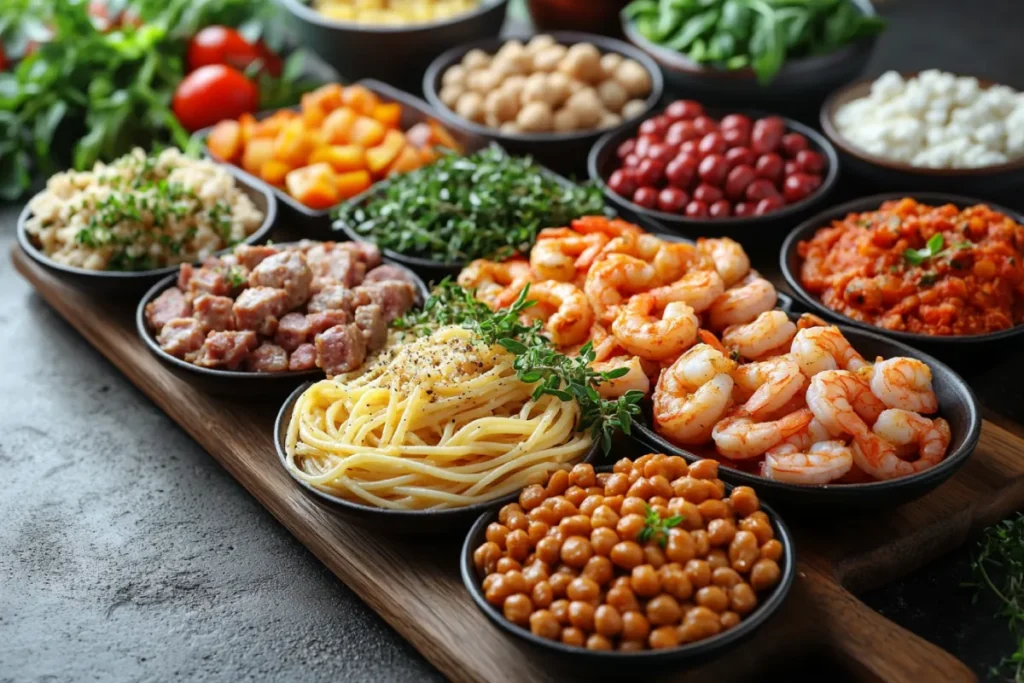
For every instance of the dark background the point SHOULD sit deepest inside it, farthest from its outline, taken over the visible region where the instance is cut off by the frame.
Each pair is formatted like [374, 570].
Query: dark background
[127, 553]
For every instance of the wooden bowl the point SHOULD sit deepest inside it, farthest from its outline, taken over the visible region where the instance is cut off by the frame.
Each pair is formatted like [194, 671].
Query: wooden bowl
[800, 82]
[644, 660]
[396, 54]
[602, 162]
[316, 223]
[881, 172]
[563, 152]
[130, 284]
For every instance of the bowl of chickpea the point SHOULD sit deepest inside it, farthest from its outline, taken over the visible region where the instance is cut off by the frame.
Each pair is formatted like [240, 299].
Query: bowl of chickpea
[655, 560]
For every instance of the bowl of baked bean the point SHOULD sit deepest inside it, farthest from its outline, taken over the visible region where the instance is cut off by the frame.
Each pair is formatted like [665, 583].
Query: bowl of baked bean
[623, 564]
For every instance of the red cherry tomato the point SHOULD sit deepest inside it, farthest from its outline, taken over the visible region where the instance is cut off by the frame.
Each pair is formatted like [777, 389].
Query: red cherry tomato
[681, 131]
[704, 125]
[690, 147]
[709, 194]
[736, 121]
[743, 209]
[223, 45]
[631, 161]
[767, 134]
[650, 172]
[626, 148]
[623, 182]
[736, 137]
[643, 144]
[655, 126]
[791, 168]
[798, 186]
[697, 209]
[712, 143]
[713, 169]
[740, 156]
[684, 109]
[793, 143]
[662, 152]
[738, 180]
[646, 197]
[680, 172]
[672, 200]
[810, 161]
[720, 209]
[760, 189]
[769, 167]
[767, 205]
[213, 93]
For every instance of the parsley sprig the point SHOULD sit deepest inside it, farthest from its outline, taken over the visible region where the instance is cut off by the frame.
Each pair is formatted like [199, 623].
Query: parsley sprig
[536, 360]
[933, 249]
[656, 528]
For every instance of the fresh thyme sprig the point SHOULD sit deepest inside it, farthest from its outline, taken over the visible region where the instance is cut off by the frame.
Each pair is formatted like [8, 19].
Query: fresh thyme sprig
[656, 528]
[536, 361]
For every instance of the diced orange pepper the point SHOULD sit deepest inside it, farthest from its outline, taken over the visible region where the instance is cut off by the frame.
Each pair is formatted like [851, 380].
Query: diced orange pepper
[367, 132]
[273, 171]
[337, 127]
[257, 152]
[314, 186]
[380, 157]
[342, 158]
[272, 125]
[292, 145]
[328, 97]
[388, 113]
[360, 98]
[408, 160]
[248, 124]
[352, 183]
[427, 156]
[225, 140]
[443, 138]
[312, 111]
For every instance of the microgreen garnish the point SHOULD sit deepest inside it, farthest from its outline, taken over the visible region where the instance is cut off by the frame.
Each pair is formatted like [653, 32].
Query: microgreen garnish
[931, 248]
[536, 361]
[236, 277]
[656, 528]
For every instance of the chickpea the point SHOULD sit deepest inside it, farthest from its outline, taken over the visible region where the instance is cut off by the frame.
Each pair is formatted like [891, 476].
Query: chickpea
[535, 572]
[655, 465]
[663, 637]
[742, 599]
[728, 619]
[622, 466]
[692, 519]
[560, 608]
[658, 502]
[615, 503]
[488, 580]
[604, 516]
[590, 505]
[637, 82]
[510, 128]
[609, 62]
[699, 623]
[549, 549]
[510, 48]
[712, 597]
[538, 43]
[454, 75]
[744, 551]
[691, 490]
[598, 642]
[612, 95]
[725, 577]
[577, 525]
[644, 581]
[717, 490]
[542, 514]
[764, 574]
[617, 485]
[450, 95]
[704, 469]
[717, 558]
[680, 547]
[630, 525]
[635, 626]
[584, 589]
[516, 581]
[536, 531]
[475, 59]
[713, 509]
[485, 558]
[576, 551]
[497, 591]
[582, 474]
[518, 609]
[699, 572]
[513, 86]
[641, 488]
[557, 88]
[574, 495]
[559, 583]
[511, 64]
[563, 507]
[627, 554]
[721, 531]
[701, 544]
[573, 636]
[582, 61]
[675, 581]
[654, 555]
[760, 527]
[633, 109]
[581, 615]
[483, 81]
[506, 564]
[602, 540]
[517, 544]
[662, 488]
[517, 521]
[544, 624]
[548, 58]
[622, 598]
[677, 467]
[607, 621]
[557, 484]
[661, 510]
[599, 569]
[532, 496]
[771, 550]
[743, 501]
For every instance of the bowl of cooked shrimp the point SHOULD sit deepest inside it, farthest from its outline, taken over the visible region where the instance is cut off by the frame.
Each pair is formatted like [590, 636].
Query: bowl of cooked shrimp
[785, 402]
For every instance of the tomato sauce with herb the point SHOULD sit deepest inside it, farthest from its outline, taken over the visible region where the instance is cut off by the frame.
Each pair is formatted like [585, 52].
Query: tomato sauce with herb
[936, 270]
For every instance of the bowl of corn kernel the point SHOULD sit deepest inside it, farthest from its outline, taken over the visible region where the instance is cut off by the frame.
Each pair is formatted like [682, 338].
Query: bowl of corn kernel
[390, 40]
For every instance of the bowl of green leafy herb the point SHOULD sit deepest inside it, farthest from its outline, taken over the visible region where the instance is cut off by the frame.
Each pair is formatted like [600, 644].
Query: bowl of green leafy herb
[485, 205]
[783, 53]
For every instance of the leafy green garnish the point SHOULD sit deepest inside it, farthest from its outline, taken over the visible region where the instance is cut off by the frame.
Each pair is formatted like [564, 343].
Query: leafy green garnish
[536, 361]
[932, 248]
[485, 205]
[656, 528]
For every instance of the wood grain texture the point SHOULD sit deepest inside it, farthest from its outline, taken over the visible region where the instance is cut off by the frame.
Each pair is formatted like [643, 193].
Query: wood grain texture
[414, 584]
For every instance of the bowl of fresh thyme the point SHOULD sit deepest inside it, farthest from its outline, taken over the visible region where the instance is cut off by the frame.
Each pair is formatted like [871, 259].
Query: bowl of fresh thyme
[120, 227]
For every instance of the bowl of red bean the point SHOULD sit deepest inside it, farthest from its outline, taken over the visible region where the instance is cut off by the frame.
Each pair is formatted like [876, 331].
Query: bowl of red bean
[688, 167]
[654, 559]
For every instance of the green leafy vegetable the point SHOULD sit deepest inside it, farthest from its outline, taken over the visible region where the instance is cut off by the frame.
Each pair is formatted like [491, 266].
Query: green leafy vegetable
[537, 362]
[656, 528]
[932, 248]
[486, 205]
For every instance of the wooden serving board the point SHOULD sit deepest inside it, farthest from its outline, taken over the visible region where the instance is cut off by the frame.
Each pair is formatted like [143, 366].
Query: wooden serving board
[415, 586]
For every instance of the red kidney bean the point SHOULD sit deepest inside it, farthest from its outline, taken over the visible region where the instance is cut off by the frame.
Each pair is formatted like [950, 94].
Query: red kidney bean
[810, 161]
[797, 187]
[646, 197]
[672, 200]
[737, 181]
[631, 161]
[697, 209]
[684, 109]
[791, 167]
[655, 126]
[740, 156]
[769, 167]
[767, 134]
[743, 209]
[622, 182]
[681, 131]
[691, 158]
[626, 148]
[767, 205]
[720, 209]
[644, 143]
[712, 143]
[662, 152]
[680, 172]
[709, 194]
[736, 137]
[760, 189]
[736, 121]
[690, 146]
[793, 143]
[650, 172]
[713, 169]
[705, 125]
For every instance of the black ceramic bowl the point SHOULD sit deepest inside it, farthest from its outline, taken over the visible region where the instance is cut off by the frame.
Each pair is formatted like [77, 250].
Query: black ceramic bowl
[563, 152]
[396, 54]
[316, 223]
[957, 404]
[399, 521]
[688, 654]
[947, 347]
[603, 160]
[123, 284]
[881, 172]
[799, 86]
[241, 383]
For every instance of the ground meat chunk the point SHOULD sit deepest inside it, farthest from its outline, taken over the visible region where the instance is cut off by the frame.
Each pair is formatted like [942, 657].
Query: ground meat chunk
[332, 264]
[370, 320]
[318, 322]
[267, 358]
[207, 281]
[288, 271]
[185, 274]
[388, 272]
[226, 349]
[250, 255]
[214, 312]
[303, 358]
[258, 308]
[332, 298]
[367, 252]
[181, 336]
[169, 305]
[394, 298]
[292, 331]
[340, 349]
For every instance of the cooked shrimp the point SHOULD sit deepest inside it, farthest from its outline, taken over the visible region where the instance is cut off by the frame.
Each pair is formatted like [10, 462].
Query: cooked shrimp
[560, 253]
[743, 302]
[821, 463]
[605, 346]
[810, 320]
[731, 262]
[674, 259]
[904, 383]
[611, 227]
[697, 289]
[634, 380]
[693, 394]
[496, 284]
[740, 437]
[563, 308]
[813, 433]
[772, 383]
[643, 334]
[768, 331]
[612, 279]
[842, 401]
[824, 348]
[894, 428]
[643, 246]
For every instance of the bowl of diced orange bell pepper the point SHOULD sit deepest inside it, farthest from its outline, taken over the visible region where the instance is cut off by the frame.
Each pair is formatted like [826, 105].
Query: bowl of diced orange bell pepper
[335, 145]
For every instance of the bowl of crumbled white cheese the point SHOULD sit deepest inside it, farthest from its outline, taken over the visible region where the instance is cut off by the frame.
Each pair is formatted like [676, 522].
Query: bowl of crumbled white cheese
[929, 130]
